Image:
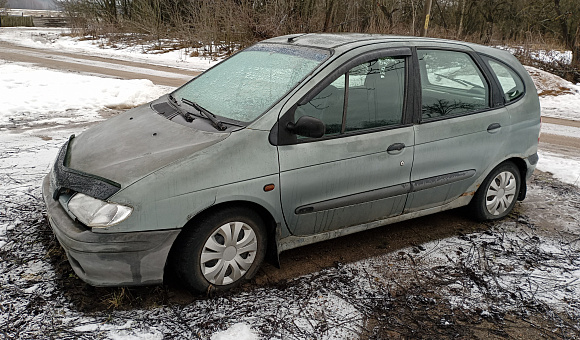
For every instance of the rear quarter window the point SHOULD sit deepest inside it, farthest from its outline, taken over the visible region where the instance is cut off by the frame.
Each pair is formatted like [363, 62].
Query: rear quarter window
[511, 83]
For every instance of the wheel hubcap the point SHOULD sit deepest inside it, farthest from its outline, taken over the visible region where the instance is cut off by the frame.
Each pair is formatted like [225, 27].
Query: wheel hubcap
[501, 193]
[228, 253]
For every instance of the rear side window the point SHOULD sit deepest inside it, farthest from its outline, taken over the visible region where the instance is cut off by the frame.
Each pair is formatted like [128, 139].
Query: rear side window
[451, 84]
[512, 85]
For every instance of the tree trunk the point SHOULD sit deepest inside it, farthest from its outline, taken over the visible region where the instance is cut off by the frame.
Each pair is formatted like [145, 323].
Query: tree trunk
[575, 77]
[413, 18]
[563, 25]
[328, 15]
[441, 14]
[576, 49]
[426, 16]
[460, 29]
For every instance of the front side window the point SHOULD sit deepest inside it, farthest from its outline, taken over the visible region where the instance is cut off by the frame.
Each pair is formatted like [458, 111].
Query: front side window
[375, 92]
[245, 85]
[512, 85]
[451, 84]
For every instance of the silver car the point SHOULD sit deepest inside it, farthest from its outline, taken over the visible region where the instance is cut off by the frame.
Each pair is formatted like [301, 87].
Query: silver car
[294, 140]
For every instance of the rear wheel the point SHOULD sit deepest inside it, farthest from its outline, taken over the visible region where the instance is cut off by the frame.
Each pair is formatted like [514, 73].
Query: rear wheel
[221, 250]
[498, 193]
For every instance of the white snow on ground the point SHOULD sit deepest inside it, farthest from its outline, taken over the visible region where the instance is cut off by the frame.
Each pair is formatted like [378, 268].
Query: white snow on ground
[238, 331]
[564, 57]
[40, 96]
[119, 332]
[559, 98]
[560, 130]
[563, 168]
[564, 106]
[53, 39]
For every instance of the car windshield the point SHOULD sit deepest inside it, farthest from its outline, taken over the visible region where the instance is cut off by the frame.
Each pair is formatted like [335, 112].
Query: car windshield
[245, 85]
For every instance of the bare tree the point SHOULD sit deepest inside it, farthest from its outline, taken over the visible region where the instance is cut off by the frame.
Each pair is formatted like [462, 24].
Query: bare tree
[569, 22]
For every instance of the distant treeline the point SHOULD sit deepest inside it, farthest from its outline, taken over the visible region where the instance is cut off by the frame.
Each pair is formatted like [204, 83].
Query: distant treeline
[241, 22]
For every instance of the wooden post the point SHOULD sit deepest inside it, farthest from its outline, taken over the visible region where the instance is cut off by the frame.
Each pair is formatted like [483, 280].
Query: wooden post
[427, 9]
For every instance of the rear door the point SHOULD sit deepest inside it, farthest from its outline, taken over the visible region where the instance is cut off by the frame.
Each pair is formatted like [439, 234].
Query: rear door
[460, 133]
[359, 170]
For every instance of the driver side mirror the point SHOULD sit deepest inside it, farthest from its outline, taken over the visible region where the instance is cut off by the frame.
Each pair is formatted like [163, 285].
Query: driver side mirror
[307, 126]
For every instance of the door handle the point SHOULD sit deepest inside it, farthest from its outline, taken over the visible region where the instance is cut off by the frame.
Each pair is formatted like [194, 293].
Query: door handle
[395, 148]
[493, 127]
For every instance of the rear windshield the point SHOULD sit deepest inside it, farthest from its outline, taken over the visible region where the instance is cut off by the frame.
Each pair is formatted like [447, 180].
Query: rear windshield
[245, 85]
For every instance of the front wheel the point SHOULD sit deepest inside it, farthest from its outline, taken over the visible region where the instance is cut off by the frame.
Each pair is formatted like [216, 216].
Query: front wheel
[221, 250]
[498, 193]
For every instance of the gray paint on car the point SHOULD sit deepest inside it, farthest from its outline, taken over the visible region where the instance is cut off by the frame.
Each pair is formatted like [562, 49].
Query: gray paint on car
[170, 172]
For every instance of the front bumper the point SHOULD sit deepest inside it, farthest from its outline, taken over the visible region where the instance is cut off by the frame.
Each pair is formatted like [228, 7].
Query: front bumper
[116, 259]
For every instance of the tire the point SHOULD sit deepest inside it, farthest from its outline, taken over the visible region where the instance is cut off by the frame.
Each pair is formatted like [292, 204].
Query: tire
[208, 257]
[498, 193]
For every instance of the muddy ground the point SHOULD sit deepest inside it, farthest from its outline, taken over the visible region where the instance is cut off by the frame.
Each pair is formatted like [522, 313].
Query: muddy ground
[389, 284]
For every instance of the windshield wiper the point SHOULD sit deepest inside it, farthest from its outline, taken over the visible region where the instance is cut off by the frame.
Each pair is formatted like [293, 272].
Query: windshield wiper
[460, 81]
[216, 122]
[187, 115]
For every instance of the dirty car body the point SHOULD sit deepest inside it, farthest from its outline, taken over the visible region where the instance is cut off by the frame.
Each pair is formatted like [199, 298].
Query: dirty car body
[294, 140]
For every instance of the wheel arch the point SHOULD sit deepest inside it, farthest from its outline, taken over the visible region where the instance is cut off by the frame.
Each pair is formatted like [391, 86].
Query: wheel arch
[523, 169]
[522, 166]
[272, 227]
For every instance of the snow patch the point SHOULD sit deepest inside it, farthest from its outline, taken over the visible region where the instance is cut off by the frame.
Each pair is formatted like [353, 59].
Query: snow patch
[238, 331]
[41, 96]
[561, 167]
[561, 130]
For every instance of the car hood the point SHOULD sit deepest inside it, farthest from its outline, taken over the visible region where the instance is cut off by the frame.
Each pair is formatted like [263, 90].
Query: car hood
[134, 144]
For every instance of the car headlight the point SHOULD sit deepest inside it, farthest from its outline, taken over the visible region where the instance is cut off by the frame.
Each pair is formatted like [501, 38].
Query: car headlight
[96, 213]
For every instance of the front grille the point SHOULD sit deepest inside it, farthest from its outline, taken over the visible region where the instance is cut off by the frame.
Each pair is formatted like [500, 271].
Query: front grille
[67, 179]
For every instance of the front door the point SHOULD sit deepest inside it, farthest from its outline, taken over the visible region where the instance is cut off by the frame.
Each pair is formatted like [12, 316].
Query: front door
[359, 170]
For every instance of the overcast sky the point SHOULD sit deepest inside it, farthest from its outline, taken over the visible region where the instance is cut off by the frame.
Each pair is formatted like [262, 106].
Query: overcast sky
[31, 4]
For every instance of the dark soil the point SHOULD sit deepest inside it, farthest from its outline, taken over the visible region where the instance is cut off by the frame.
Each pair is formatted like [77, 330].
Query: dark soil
[406, 297]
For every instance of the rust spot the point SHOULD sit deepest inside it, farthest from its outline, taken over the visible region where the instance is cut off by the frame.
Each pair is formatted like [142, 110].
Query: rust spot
[468, 193]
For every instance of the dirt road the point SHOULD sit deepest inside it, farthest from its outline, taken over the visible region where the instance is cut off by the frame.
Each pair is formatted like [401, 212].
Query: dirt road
[161, 75]
[554, 142]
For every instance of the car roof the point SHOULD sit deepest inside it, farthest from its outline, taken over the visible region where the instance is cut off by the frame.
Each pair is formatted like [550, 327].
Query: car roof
[350, 40]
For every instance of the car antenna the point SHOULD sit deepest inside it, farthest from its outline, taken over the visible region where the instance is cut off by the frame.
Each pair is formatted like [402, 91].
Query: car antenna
[291, 39]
